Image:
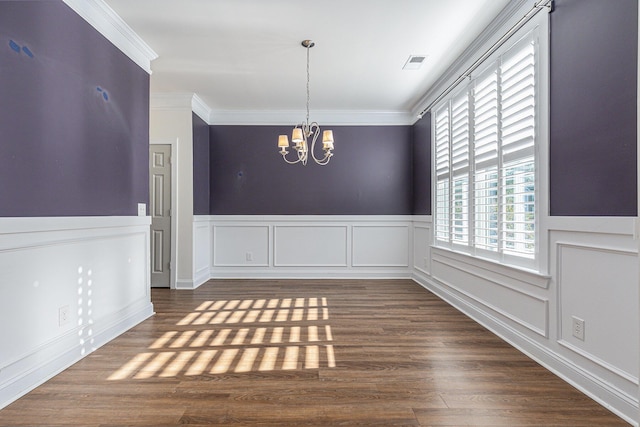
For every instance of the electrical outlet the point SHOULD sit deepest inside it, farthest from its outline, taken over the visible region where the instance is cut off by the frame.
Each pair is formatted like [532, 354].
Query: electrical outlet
[63, 315]
[578, 327]
[249, 256]
[425, 262]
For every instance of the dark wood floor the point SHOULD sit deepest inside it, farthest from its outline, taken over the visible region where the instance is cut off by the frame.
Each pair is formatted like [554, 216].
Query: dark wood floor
[305, 352]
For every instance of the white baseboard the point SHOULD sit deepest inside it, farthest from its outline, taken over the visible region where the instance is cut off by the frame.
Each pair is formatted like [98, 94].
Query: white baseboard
[309, 274]
[94, 269]
[618, 402]
[185, 284]
[54, 357]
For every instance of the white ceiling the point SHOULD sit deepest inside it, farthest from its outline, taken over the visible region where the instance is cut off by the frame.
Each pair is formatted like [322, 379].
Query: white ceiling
[245, 55]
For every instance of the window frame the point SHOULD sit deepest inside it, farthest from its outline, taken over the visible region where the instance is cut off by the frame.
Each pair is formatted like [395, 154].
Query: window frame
[539, 28]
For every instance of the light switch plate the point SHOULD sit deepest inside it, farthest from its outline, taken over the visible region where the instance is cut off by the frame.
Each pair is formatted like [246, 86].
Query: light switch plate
[142, 209]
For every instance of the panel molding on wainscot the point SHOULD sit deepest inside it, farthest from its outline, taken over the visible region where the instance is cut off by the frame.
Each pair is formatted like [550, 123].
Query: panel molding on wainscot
[313, 245]
[241, 245]
[95, 270]
[592, 264]
[380, 245]
[202, 252]
[422, 248]
[595, 279]
[309, 246]
[513, 294]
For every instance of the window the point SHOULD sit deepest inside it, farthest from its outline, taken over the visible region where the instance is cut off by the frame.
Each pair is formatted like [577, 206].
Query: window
[485, 146]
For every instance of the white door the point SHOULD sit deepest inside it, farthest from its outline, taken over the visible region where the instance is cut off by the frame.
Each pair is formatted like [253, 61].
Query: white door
[160, 202]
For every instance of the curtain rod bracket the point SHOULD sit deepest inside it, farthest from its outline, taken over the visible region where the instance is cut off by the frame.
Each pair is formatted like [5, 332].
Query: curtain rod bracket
[549, 5]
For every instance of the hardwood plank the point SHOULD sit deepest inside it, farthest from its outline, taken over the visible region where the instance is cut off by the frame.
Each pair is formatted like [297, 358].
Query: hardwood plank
[306, 352]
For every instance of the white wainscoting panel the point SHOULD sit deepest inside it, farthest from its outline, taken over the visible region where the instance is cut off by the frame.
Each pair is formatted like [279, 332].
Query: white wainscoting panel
[240, 245]
[202, 250]
[422, 246]
[504, 295]
[310, 245]
[593, 281]
[592, 265]
[95, 269]
[380, 246]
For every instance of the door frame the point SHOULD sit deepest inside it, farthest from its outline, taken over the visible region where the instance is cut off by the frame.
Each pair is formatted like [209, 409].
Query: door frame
[173, 143]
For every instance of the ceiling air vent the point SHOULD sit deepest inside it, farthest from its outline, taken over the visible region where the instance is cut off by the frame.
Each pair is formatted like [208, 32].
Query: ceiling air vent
[414, 62]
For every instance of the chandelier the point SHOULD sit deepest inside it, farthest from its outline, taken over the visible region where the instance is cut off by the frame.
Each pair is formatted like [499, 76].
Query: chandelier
[305, 131]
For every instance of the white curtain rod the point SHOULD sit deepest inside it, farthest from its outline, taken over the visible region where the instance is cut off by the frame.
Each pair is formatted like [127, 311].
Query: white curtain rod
[537, 7]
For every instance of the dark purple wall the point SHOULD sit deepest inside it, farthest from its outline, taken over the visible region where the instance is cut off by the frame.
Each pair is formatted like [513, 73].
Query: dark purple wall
[201, 192]
[593, 108]
[422, 166]
[370, 173]
[74, 117]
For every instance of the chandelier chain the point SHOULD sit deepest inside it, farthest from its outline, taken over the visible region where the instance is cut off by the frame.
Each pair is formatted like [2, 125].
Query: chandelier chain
[308, 84]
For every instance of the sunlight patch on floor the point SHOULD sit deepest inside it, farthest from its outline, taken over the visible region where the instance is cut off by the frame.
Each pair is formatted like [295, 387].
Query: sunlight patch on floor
[239, 336]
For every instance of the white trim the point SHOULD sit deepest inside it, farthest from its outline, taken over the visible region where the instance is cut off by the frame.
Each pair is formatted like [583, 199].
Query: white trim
[66, 351]
[637, 218]
[560, 246]
[171, 101]
[539, 28]
[260, 219]
[306, 273]
[342, 227]
[267, 265]
[606, 394]
[181, 101]
[37, 244]
[17, 225]
[543, 332]
[613, 369]
[409, 248]
[425, 266]
[185, 284]
[592, 224]
[505, 19]
[214, 233]
[200, 108]
[496, 269]
[324, 118]
[107, 22]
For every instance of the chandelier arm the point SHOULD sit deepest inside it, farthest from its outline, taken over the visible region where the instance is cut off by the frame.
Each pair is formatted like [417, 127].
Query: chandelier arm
[315, 129]
[325, 160]
[291, 162]
[303, 154]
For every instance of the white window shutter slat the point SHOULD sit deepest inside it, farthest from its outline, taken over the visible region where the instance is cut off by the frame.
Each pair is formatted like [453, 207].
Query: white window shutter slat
[484, 142]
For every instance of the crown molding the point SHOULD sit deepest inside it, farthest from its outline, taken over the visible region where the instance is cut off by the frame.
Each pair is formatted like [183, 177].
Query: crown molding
[288, 117]
[511, 13]
[180, 101]
[200, 108]
[171, 101]
[107, 22]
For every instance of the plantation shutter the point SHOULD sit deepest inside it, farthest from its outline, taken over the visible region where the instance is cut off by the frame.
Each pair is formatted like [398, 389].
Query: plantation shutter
[518, 95]
[485, 154]
[460, 167]
[443, 170]
[484, 142]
